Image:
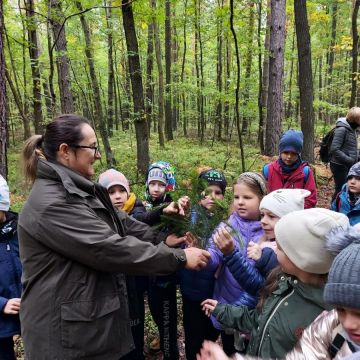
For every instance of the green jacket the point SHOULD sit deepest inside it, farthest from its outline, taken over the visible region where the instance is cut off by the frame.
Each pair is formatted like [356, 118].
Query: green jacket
[74, 248]
[286, 313]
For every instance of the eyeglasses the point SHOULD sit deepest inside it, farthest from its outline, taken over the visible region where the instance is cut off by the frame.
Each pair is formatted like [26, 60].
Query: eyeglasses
[95, 148]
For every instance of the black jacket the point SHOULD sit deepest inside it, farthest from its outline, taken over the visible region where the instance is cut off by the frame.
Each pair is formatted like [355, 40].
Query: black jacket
[343, 150]
[73, 246]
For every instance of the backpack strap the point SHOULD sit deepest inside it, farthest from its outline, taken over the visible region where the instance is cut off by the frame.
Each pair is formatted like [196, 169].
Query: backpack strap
[336, 345]
[266, 171]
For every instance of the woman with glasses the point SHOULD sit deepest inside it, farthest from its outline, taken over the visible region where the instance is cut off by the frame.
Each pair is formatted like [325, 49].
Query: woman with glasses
[74, 247]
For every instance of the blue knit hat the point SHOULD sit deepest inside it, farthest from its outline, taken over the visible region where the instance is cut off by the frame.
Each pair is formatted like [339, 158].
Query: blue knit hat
[343, 285]
[291, 140]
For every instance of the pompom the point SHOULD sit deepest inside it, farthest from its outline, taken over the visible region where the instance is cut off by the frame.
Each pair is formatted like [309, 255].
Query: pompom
[339, 238]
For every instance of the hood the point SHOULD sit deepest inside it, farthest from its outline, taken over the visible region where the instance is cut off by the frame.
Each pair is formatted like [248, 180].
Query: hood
[342, 122]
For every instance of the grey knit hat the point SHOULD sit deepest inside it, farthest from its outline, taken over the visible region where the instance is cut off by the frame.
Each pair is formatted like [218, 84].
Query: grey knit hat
[354, 170]
[156, 174]
[343, 286]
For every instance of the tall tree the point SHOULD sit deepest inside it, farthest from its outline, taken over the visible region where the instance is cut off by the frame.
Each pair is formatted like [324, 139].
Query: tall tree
[3, 122]
[305, 78]
[219, 72]
[99, 115]
[34, 53]
[149, 88]
[354, 52]
[276, 73]
[168, 111]
[142, 138]
[331, 54]
[183, 71]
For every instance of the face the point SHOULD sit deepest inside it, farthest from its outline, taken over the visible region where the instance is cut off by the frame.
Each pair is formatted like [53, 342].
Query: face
[212, 193]
[156, 189]
[118, 196]
[350, 320]
[81, 159]
[353, 183]
[246, 202]
[289, 157]
[287, 266]
[268, 221]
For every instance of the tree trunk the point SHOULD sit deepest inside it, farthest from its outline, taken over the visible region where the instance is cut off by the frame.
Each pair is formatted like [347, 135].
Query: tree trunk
[99, 115]
[161, 78]
[305, 79]
[3, 122]
[276, 74]
[288, 106]
[34, 62]
[219, 73]
[331, 56]
[142, 139]
[168, 112]
[110, 90]
[227, 82]
[182, 73]
[149, 90]
[354, 52]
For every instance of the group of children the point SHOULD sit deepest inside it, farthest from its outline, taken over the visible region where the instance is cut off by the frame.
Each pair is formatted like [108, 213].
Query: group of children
[263, 286]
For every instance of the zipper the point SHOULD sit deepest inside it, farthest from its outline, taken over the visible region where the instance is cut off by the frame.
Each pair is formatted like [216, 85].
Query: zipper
[270, 317]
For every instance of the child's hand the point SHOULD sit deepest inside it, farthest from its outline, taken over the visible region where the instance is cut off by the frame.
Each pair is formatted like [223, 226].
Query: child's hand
[183, 205]
[213, 351]
[173, 240]
[254, 251]
[12, 307]
[171, 209]
[191, 240]
[209, 306]
[224, 241]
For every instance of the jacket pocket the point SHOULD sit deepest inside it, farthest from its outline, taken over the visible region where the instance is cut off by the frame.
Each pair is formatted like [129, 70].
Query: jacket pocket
[90, 328]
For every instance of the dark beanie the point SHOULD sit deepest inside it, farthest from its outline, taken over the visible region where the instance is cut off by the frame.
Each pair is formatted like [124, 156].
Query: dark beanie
[214, 177]
[291, 140]
[343, 286]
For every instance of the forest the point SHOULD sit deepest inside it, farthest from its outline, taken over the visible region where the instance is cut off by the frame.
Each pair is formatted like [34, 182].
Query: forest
[156, 75]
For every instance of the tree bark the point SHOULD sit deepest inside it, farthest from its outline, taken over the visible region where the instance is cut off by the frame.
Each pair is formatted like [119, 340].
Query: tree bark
[99, 115]
[354, 52]
[3, 122]
[142, 139]
[168, 111]
[149, 90]
[182, 73]
[34, 63]
[305, 79]
[331, 56]
[276, 74]
[219, 73]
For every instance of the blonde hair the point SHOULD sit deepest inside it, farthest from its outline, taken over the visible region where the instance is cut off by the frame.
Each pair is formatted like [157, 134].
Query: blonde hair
[353, 114]
[255, 182]
[30, 156]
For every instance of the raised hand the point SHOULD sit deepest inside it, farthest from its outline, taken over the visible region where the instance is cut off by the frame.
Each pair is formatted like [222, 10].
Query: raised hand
[208, 306]
[254, 251]
[224, 241]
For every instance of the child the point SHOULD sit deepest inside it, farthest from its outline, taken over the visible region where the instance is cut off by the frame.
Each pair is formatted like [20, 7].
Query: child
[290, 303]
[348, 200]
[224, 247]
[289, 171]
[196, 286]
[10, 270]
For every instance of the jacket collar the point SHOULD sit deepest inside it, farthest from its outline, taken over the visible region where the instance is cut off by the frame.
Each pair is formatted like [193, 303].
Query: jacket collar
[72, 181]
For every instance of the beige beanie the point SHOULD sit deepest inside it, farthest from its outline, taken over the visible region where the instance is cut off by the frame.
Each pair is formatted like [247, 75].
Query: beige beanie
[302, 237]
[281, 202]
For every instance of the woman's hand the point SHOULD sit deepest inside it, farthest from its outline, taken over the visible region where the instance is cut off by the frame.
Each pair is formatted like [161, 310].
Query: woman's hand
[254, 251]
[12, 307]
[196, 259]
[208, 306]
[212, 351]
[224, 241]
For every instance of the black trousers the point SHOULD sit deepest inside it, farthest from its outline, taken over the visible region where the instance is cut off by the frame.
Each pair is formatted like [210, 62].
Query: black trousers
[340, 174]
[162, 303]
[197, 328]
[7, 349]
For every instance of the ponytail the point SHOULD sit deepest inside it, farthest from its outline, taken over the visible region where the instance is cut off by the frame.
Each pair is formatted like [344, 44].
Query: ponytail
[31, 153]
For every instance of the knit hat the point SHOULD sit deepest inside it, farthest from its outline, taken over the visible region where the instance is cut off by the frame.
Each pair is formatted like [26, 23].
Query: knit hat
[291, 140]
[283, 201]
[4, 195]
[354, 170]
[302, 236]
[162, 171]
[259, 179]
[214, 177]
[113, 177]
[343, 285]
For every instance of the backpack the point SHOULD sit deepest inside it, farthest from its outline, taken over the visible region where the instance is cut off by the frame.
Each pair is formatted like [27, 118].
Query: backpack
[306, 171]
[325, 146]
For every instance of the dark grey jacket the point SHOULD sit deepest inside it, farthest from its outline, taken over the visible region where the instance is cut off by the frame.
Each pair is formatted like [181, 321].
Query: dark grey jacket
[73, 247]
[343, 148]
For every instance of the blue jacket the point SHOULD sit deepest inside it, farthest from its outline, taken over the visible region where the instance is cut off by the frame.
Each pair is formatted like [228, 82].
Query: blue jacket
[267, 261]
[342, 204]
[197, 285]
[10, 274]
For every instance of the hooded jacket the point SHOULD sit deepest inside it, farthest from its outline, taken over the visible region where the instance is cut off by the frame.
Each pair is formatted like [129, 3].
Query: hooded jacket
[73, 246]
[285, 314]
[10, 274]
[343, 149]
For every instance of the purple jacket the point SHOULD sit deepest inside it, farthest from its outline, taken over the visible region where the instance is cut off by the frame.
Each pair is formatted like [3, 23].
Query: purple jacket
[227, 290]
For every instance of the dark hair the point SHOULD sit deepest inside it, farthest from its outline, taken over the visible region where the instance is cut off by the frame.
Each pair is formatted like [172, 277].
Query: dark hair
[65, 128]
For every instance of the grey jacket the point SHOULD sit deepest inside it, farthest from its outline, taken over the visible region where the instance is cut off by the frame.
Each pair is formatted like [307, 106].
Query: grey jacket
[73, 248]
[343, 148]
